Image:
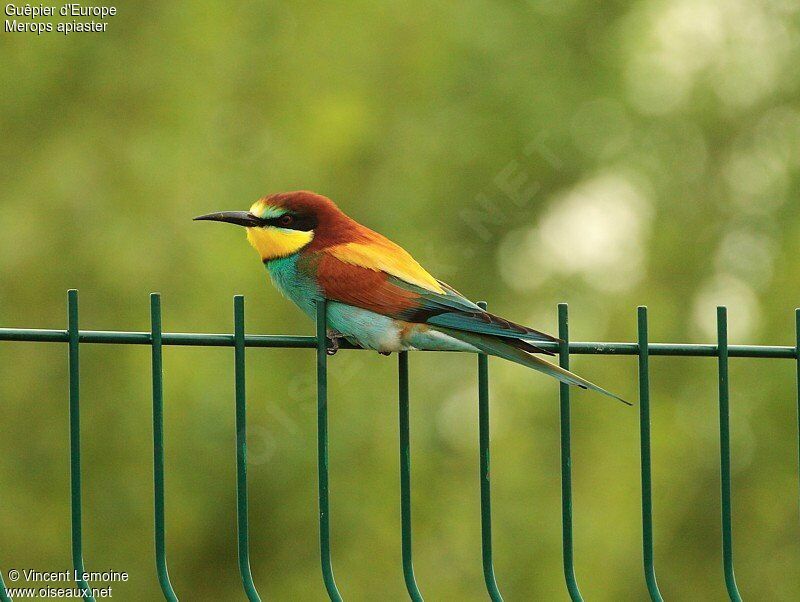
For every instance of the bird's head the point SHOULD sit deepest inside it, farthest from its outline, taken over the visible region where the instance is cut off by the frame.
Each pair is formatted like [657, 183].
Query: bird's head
[282, 224]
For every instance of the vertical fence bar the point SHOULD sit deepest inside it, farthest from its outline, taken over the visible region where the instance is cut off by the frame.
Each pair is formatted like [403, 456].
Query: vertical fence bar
[797, 367]
[644, 442]
[241, 451]
[405, 478]
[566, 459]
[725, 453]
[486, 495]
[3, 593]
[75, 440]
[158, 448]
[322, 452]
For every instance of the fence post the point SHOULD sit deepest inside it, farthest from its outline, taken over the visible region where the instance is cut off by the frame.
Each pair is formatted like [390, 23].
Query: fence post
[566, 459]
[644, 442]
[3, 593]
[75, 440]
[241, 451]
[158, 448]
[322, 452]
[725, 454]
[797, 368]
[486, 494]
[405, 478]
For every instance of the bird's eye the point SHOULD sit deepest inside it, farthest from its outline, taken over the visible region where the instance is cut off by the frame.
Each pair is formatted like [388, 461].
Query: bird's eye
[285, 220]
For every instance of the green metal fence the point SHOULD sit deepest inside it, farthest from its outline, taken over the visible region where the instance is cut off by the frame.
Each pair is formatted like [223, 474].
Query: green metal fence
[156, 339]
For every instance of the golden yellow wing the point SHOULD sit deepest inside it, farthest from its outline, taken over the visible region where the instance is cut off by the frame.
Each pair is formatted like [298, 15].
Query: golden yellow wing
[382, 255]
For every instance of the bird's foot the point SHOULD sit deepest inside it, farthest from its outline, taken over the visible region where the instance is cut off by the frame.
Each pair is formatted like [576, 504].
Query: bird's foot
[385, 352]
[333, 341]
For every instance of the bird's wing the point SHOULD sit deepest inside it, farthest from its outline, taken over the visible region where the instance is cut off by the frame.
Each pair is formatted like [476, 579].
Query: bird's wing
[378, 253]
[383, 278]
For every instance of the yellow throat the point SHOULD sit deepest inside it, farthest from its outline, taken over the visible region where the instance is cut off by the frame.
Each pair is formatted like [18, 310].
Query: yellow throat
[273, 242]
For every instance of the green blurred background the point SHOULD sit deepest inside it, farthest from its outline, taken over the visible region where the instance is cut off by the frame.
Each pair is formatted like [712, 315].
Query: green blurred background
[607, 154]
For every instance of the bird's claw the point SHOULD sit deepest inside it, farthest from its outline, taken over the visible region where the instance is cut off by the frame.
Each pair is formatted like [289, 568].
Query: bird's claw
[333, 342]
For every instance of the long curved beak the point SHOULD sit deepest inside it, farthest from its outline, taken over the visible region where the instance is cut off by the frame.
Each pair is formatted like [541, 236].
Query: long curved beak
[240, 218]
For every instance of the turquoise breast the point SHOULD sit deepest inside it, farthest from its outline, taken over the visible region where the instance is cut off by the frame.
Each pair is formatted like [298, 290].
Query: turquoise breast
[293, 283]
[370, 330]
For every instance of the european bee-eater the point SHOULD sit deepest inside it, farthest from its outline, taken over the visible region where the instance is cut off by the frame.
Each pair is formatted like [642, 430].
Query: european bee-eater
[378, 296]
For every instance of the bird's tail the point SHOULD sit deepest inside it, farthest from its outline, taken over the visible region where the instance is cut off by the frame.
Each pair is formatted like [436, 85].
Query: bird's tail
[500, 347]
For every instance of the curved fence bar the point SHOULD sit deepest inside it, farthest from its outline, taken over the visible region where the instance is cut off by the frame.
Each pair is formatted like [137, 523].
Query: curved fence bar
[3, 594]
[158, 449]
[644, 442]
[243, 529]
[322, 452]
[75, 440]
[405, 478]
[486, 494]
[566, 460]
[725, 454]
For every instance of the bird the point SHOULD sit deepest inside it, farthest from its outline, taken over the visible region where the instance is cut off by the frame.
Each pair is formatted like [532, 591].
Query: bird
[378, 297]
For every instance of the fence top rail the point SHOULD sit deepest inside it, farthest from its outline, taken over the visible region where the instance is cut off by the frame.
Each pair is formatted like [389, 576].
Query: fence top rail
[310, 342]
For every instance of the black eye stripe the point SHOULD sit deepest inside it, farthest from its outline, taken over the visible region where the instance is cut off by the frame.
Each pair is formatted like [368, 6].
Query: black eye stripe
[304, 223]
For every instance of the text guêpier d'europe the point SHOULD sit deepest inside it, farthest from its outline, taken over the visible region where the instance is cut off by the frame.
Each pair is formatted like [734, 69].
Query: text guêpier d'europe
[34, 18]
